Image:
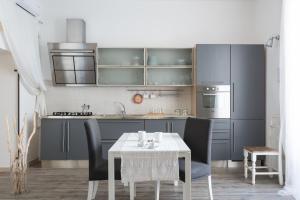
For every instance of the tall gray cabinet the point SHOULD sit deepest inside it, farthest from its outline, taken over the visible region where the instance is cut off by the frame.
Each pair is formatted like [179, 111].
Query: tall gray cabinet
[248, 93]
[243, 67]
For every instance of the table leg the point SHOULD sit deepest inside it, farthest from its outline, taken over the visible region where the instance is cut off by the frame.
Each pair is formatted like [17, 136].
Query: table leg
[188, 178]
[111, 177]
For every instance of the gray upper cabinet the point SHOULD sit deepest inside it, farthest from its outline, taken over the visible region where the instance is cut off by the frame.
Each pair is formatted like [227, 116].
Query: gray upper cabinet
[213, 64]
[53, 140]
[246, 133]
[248, 85]
[77, 146]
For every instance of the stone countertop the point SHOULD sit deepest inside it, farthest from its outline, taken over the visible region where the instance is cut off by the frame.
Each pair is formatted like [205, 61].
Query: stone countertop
[120, 117]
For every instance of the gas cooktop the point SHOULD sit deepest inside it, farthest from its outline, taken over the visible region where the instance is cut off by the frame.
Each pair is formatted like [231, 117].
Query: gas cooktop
[72, 113]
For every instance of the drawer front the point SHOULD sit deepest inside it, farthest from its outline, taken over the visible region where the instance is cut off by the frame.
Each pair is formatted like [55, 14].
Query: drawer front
[220, 124]
[106, 145]
[220, 150]
[113, 129]
[221, 135]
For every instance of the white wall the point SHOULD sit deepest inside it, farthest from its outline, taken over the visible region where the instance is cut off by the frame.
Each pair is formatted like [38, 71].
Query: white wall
[8, 105]
[150, 23]
[269, 13]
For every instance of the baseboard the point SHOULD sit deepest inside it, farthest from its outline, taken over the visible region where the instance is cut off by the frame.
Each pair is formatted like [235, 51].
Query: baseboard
[64, 164]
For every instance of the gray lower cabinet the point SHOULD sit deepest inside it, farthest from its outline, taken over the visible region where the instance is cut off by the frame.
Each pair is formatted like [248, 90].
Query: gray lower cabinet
[63, 140]
[220, 149]
[113, 129]
[174, 126]
[53, 140]
[77, 146]
[156, 125]
[246, 133]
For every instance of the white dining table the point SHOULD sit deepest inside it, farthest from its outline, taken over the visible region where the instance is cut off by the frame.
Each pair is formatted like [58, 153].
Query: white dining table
[128, 139]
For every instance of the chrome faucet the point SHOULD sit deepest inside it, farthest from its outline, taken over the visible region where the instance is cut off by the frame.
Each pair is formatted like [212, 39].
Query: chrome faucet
[85, 107]
[123, 110]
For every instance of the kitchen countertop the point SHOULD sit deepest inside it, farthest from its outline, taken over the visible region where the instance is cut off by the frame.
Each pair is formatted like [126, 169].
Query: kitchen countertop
[112, 116]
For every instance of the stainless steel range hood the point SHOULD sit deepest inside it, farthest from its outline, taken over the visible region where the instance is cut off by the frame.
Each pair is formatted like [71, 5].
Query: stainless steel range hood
[73, 63]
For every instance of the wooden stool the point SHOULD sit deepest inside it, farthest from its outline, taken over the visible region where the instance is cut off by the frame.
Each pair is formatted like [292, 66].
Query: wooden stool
[262, 151]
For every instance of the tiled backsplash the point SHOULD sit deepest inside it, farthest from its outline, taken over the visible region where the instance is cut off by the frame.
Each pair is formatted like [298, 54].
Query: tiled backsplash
[101, 100]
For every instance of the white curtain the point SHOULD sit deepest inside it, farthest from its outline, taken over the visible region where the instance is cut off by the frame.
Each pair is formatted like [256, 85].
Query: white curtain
[290, 93]
[21, 32]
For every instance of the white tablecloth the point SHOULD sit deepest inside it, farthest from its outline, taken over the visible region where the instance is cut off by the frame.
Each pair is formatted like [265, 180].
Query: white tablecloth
[144, 164]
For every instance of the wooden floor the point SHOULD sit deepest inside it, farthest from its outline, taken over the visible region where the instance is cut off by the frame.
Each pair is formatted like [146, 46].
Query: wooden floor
[54, 184]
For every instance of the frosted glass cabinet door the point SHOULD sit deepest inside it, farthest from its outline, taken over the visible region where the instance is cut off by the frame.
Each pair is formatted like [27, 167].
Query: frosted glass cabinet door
[172, 76]
[121, 76]
[159, 57]
[121, 56]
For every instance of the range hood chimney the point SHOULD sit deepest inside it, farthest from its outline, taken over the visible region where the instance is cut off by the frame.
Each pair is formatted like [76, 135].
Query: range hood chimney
[73, 63]
[76, 32]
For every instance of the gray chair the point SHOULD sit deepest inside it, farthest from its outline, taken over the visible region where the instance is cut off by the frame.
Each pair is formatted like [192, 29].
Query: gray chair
[198, 137]
[98, 167]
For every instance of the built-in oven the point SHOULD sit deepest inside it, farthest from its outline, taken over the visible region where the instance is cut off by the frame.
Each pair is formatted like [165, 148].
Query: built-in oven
[213, 101]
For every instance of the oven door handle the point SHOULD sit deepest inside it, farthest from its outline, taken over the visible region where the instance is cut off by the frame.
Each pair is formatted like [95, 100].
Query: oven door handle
[209, 94]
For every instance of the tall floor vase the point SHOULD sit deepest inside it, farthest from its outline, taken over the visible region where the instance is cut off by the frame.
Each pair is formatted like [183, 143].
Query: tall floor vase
[18, 145]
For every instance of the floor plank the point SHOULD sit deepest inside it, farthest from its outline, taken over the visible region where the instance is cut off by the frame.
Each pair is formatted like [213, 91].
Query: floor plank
[71, 184]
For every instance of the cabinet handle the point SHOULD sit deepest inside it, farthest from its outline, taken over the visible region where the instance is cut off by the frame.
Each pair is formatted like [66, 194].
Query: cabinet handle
[172, 127]
[233, 146]
[63, 136]
[68, 135]
[167, 126]
[232, 97]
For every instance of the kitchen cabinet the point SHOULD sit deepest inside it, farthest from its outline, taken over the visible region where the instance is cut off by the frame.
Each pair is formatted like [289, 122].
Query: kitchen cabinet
[220, 149]
[145, 67]
[246, 133]
[213, 64]
[158, 125]
[77, 146]
[248, 82]
[120, 66]
[63, 139]
[120, 76]
[113, 129]
[53, 139]
[169, 66]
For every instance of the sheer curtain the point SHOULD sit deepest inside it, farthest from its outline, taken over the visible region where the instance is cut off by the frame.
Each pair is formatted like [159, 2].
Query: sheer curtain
[290, 93]
[21, 33]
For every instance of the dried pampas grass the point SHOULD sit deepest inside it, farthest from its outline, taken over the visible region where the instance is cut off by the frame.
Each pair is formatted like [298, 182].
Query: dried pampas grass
[19, 153]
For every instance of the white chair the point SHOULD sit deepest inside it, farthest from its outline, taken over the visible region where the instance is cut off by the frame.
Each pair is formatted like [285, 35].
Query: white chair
[263, 151]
